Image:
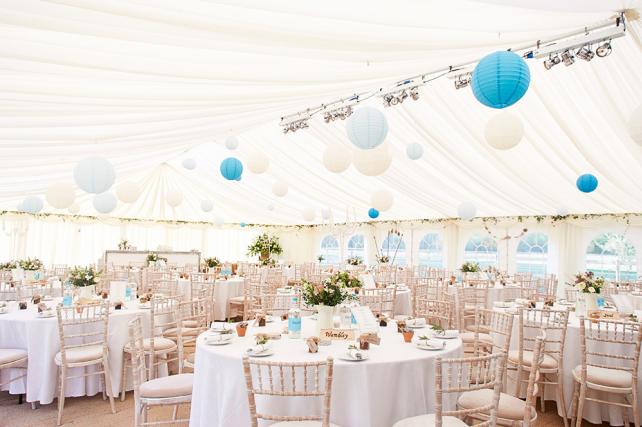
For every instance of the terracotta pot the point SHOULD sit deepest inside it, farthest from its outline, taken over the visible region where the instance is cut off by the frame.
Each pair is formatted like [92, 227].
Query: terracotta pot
[407, 336]
[241, 330]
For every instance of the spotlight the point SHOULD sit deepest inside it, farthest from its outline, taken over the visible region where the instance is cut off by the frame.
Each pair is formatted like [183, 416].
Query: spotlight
[552, 61]
[394, 98]
[567, 58]
[463, 80]
[387, 99]
[585, 53]
[604, 49]
[414, 93]
[295, 125]
[340, 113]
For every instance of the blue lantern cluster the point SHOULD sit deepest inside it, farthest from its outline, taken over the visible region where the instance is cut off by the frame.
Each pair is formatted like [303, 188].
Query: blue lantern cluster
[373, 213]
[232, 169]
[586, 183]
[500, 79]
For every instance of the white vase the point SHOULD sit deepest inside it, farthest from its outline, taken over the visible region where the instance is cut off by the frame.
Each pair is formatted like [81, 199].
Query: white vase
[325, 317]
[87, 292]
[585, 302]
[30, 275]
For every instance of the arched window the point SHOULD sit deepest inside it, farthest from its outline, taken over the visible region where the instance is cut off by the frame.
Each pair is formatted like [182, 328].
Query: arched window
[394, 248]
[431, 251]
[611, 256]
[330, 250]
[357, 247]
[532, 254]
[482, 250]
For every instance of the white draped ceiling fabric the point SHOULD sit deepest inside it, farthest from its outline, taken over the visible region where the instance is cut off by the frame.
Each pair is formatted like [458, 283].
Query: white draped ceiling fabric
[149, 83]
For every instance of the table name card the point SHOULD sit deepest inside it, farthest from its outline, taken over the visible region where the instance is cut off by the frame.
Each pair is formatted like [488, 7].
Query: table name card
[337, 334]
[366, 321]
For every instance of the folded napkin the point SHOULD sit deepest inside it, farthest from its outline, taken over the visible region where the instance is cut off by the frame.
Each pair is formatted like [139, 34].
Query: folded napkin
[354, 353]
[218, 337]
[420, 321]
[259, 348]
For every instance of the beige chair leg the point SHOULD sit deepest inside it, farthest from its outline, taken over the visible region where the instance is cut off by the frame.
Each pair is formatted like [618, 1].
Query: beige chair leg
[541, 394]
[108, 389]
[123, 378]
[136, 414]
[634, 407]
[574, 399]
[175, 413]
[580, 405]
[561, 398]
[61, 396]
[625, 416]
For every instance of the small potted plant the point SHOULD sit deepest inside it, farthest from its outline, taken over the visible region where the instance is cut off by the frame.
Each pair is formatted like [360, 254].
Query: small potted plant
[124, 246]
[407, 334]
[241, 329]
[437, 330]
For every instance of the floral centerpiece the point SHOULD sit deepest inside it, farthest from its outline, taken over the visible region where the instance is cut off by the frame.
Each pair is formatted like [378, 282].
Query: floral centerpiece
[383, 259]
[85, 279]
[325, 296]
[153, 258]
[354, 260]
[211, 262]
[30, 264]
[124, 245]
[588, 287]
[469, 267]
[8, 266]
[265, 246]
[346, 279]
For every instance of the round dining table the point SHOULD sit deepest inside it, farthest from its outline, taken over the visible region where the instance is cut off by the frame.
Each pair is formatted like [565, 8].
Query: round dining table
[24, 329]
[395, 382]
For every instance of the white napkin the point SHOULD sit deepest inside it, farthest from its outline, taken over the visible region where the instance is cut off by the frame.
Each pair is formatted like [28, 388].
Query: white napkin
[259, 348]
[219, 337]
[419, 321]
[355, 353]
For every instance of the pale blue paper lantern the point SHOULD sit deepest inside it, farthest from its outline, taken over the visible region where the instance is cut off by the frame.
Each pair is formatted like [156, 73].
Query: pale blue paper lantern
[31, 204]
[242, 225]
[414, 151]
[586, 183]
[373, 213]
[500, 79]
[189, 164]
[367, 128]
[105, 202]
[207, 205]
[232, 169]
[94, 175]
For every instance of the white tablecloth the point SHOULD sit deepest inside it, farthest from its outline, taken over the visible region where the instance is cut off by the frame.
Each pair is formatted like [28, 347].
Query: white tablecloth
[397, 381]
[593, 412]
[22, 329]
[403, 303]
[223, 291]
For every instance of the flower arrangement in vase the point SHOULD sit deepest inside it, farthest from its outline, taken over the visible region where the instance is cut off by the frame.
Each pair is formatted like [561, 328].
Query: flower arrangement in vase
[8, 266]
[383, 259]
[325, 296]
[469, 267]
[153, 258]
[346, 280]
[85, 280]
[265, 246]
[124, 245]
[588, 287]
[211, 262]
[354, 260]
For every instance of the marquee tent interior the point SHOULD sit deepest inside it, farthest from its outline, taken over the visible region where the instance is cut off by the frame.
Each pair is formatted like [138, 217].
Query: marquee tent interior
[160, 94]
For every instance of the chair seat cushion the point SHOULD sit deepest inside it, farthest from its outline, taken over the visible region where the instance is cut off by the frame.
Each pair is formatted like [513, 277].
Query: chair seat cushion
[237, 300]
[190, 323]
[604, 376]
[171, 386]
[469, 337]
[428, 420]
[9, 355]
[81, 354]
[190, 332]
[547, 363]
[510, 408]
[160, 343]
[477, 328]
[300, 424]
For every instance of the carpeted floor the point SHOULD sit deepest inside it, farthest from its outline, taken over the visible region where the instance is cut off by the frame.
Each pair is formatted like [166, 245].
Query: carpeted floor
[94, 412]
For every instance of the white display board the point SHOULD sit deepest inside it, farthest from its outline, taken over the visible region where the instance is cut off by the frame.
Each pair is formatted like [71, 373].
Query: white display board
[139, 258]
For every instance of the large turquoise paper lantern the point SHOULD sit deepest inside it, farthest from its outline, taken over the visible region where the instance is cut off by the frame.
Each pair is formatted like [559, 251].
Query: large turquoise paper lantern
[500, 79]
[586, 183]
[232, 169]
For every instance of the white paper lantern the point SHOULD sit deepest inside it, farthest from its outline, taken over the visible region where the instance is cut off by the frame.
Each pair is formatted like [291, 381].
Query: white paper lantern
[189, 164]
[309, 215]
[231, 143]
[105, 202]
[257, 162]
[74, 209]
[414, 151]
[373, 162]
[635, 125]
[31, 204]
[218, 221]
[207, 205]
[381, 200]
[94, 175]
[326, 214]
[280, 188]
[174, 197]
[504, 131]
[128, 192]
[270, 207]
[336, 158]
[562, 211]
[367, 128]
[60, 195]
[467, 211]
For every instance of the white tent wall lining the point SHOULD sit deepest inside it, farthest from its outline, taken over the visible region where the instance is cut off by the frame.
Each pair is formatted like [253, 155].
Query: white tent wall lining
[81, 241]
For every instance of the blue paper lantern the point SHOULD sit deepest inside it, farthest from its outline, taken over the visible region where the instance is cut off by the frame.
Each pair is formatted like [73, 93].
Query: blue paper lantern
[586, 183]
[242, 225]
[231, 169]
[373, 213]
[500, 79]
[31, 204]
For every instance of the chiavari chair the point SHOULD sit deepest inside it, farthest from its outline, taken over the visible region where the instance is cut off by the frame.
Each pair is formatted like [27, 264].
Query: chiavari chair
[531, 322]
[493, 334]
[8, 291]
[83, 333]
[511, 411]
[610, 358]
[252, 287]
[470, 298]
[379, 300]
[15, 359]
[272, 381]
[192, 320]
[546, 289]
[436, 312]
[173, 390]
[464, 375]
